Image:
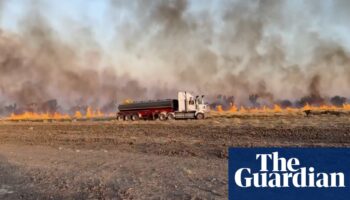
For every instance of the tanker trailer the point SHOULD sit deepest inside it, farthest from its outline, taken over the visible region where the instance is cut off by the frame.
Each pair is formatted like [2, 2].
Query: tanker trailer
[186, 106]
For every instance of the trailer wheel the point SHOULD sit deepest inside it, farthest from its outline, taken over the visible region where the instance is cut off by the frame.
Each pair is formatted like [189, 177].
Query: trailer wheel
[120, 118]
[171, 116]
[200, 116]
[126, 117]
[162, 116]
[134, 117]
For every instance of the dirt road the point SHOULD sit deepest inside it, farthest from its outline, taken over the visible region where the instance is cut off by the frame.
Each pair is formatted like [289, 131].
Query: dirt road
[144, 160]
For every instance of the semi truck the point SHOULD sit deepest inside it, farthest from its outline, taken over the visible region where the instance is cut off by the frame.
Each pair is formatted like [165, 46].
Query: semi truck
[186, 106]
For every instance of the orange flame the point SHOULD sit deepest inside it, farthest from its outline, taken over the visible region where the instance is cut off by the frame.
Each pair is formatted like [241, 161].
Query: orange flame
[90, 114]
[219, 108]
[278, 109]
[38, 116]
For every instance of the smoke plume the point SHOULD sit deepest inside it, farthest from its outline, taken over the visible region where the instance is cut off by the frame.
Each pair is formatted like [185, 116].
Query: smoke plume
[268, 49]
[277, 50]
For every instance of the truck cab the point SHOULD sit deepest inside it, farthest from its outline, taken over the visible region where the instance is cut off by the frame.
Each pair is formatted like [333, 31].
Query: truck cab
[191, 106]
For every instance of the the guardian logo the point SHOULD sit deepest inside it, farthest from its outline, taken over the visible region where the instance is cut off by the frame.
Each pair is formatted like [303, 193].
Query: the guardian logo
[279, 172]
[289, 173]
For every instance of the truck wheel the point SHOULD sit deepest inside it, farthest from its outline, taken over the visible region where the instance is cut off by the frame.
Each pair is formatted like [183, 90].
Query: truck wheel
[134, 117]
[126, 117]
[120, 118]
[171, 116]
[200, 116]
[162, 116]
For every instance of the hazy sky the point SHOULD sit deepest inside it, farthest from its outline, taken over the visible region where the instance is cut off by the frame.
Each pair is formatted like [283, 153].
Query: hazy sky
[93, 14]
[325, 18]
[267, 45]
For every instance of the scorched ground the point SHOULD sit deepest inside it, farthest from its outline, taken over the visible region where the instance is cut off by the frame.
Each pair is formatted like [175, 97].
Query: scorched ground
[144, 159]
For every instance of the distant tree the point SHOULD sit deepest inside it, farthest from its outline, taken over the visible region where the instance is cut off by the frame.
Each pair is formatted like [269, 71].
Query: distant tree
[338, 100]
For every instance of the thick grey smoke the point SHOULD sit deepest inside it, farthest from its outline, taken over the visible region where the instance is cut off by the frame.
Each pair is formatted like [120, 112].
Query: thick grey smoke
[37, 65]
[273, 49]
[267, 47]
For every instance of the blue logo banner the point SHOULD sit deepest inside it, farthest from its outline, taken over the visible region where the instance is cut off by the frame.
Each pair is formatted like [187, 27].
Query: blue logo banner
[289, 173]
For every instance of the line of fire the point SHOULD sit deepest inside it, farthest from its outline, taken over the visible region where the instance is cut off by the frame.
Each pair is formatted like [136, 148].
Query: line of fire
[221, 104]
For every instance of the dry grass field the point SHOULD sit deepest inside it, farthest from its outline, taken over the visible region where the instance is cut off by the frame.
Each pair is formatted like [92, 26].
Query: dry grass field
[145, 159]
